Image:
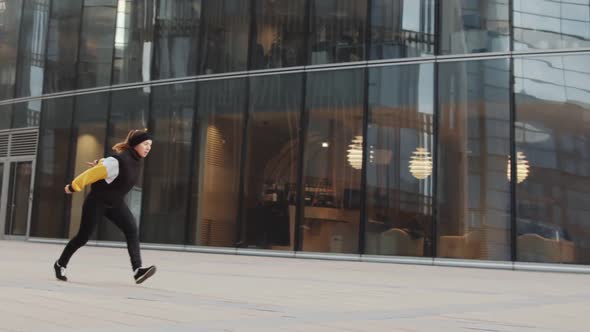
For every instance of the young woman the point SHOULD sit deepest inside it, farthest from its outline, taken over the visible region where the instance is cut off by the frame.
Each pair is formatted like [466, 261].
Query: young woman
[111, 179]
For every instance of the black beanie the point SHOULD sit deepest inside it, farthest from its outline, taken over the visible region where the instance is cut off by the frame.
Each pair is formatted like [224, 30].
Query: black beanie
[135, 140]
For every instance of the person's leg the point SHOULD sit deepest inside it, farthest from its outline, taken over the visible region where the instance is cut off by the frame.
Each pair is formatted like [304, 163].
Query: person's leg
[124, 220]
[92, 212]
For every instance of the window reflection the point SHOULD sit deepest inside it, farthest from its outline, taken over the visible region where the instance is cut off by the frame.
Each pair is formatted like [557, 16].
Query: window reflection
[552, 132]
[218, 151]
[31, 62]
[32, 49]
[226, 25]
[6, 116]
[10, 19]
[474, 146]
[176, 38]
[279, 35]
[48, 215]
[62, 45]
[272, 158]
[332, 177]
[402, 28]
[133, 35]
[26, 114]
[166, 183]
[474, 26]
[399, 168]
[551, 24]
[90, 124]
[338, 31]
[96, 48]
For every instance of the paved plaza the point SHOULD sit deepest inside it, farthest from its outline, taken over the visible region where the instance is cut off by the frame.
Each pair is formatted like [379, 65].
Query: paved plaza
[214, 292]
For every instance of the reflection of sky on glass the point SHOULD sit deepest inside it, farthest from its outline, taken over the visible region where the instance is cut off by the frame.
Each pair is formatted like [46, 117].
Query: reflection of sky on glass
[558, 78]
[411, 13]
[120, 35]
[551, 23]
[426, 89]
[392, 89]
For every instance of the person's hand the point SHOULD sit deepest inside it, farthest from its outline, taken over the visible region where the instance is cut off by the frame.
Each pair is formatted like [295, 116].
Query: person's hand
[91, 164]
[67, 189]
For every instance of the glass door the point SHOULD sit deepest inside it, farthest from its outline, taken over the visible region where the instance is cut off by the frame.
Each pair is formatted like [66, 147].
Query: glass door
[19, 197]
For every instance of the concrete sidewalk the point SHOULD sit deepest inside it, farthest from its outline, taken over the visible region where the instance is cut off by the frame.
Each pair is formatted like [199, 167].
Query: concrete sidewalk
[211, 292]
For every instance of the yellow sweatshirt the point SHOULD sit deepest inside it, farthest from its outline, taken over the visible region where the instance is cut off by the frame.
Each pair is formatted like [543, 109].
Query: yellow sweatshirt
[107, 169]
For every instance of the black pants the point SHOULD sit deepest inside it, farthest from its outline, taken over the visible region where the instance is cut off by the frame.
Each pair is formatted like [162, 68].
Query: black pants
[92, 212]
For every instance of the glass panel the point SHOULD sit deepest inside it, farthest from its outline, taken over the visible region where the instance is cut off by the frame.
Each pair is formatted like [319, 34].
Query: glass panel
[399, 169]
[402, 28]
[225, 38]
[270, 188]
[52, 169]
[31, 62]
[332, 168]
[62, 45]
[551, 24]
[32, 48]
[18, 197]
[96, 49]
[10, 18]
[129, 110]
[6, 116]
[218, 150]
[90, 119]
[473, 195]
[474, 26]
[553, 161]
[338, 31]
[133, 36]
[176, 38]
[26, 114]
[168, 167]
[279, 37]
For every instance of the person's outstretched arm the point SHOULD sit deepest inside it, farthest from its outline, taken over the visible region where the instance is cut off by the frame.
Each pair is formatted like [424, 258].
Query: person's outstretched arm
[106, 169]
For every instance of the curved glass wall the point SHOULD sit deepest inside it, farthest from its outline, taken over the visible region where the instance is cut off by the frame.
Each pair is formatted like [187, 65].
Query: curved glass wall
[67, 45]
[399, 140]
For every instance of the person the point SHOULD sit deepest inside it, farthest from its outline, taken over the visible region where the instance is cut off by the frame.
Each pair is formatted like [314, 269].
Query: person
[110, 179]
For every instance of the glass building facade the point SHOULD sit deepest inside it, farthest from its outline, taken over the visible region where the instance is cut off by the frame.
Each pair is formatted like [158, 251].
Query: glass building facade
[418, 128]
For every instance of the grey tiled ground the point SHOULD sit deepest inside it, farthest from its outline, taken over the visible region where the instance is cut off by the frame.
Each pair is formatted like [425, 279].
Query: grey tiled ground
[208, 292]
